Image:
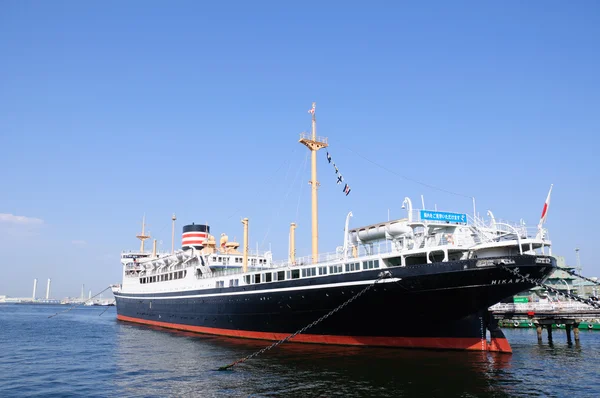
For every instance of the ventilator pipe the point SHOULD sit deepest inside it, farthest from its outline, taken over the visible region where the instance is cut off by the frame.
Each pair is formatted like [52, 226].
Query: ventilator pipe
[292, 243]
[405, 204]
[245, 263]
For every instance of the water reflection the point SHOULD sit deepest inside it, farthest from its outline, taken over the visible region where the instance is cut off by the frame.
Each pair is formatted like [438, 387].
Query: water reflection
[81, 353]
[158, 362]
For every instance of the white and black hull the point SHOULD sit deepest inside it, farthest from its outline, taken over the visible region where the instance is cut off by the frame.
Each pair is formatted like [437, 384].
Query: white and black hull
[440, 305]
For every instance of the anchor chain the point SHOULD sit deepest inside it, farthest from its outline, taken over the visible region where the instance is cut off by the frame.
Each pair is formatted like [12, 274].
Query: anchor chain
[553, 290]
[80, 304]
[382, 275]
[582, 277]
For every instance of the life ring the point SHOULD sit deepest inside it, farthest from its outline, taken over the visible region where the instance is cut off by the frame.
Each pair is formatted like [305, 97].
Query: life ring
[530, 324]
[450, 239]
[516, 324]
[590, 326]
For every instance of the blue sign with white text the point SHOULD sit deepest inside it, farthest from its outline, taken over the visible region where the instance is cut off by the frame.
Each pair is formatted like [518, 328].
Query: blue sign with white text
[443, 216]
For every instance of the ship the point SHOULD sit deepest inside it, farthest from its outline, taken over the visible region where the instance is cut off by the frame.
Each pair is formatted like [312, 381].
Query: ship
[423, 281]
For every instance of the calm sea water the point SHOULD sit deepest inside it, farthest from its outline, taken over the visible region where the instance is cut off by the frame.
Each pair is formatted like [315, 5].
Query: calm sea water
[80, 353]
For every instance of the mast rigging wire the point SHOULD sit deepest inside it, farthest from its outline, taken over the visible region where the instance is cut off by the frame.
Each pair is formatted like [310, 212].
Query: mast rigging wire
[408, 178]
[284, 199]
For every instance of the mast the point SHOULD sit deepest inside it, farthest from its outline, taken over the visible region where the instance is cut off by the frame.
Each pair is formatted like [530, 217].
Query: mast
[173, 234]
[314, 143]
[143, 236]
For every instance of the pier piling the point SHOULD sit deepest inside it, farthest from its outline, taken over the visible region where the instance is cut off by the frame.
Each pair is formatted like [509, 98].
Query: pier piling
[576, 332]
[549, 327]
[568, 330]
[539, 332]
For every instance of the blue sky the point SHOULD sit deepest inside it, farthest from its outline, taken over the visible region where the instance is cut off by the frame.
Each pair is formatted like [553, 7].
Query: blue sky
[112, 110]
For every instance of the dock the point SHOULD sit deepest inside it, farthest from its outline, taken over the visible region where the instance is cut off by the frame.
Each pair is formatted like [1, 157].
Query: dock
[570, 315]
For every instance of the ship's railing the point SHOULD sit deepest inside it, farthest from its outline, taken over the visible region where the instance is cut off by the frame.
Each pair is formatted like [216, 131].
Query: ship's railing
[158, 253]
[308, 136]
[374, 248]
[251, 253]
[232, 271]
[538, 307]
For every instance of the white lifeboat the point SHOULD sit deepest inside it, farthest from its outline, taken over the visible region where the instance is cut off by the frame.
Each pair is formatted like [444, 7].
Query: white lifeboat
[385, 230]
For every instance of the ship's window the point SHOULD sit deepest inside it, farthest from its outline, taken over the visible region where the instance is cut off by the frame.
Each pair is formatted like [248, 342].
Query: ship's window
[268, 277]
[281, 275]
[214, 259]
[334, 269]
[295, 273]
[415, 260]
[256, 278]
[352, 267]
[220, 259]
[309, 272]
[322, 270]
[171, 276]
[233, 282]
[376, 264]
[288, 275]
[184, 273]
[220, 284]
[247, 279]
[180, 274]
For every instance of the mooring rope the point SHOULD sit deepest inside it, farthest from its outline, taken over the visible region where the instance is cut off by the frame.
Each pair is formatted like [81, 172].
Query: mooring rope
[553, 290]
[107, 307]
[581, 276]
[80, 304]
[382, 275]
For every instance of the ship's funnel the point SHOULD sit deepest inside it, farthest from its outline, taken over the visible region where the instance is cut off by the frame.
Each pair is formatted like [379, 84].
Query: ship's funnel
[195, 236]
[48, 290]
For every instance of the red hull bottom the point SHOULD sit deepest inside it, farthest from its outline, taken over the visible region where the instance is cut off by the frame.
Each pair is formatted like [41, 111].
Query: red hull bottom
[449, 343]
